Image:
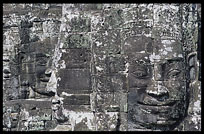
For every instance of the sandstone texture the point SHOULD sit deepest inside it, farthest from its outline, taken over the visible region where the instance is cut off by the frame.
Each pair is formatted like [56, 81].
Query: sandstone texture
[101, 67]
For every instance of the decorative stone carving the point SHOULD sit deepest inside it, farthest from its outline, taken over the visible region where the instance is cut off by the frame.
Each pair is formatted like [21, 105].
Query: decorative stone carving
[101, 67]
[157, 97]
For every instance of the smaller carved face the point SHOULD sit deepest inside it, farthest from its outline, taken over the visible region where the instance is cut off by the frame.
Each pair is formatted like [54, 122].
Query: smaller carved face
[157, 87]
[35, 67]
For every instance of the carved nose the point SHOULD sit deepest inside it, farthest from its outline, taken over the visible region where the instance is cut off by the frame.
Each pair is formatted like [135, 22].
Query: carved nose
[158, 72]
[158, 92]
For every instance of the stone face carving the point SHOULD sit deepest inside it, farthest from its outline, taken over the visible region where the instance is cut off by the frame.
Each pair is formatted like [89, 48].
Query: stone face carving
[101, 67]
[35, 61]
[157, 97]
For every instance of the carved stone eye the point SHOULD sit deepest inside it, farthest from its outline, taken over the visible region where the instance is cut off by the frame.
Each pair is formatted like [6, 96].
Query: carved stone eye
[140, 74]
[173, 73]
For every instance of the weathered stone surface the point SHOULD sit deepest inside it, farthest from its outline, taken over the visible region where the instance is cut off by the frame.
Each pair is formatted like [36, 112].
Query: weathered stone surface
[75, 41]
[33, 104]
[107, 42]
[62, 128]
[76, 58]
[109, 65]
[12, 106]
[102, 67]
[29, 78]
[50, 125]
[123, 121]
[77, 100]
[78, 108]
[106, 121]
[74, 79]
[111, 83]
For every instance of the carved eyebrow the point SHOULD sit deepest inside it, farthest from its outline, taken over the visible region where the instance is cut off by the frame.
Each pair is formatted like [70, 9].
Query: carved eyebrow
[171, 60]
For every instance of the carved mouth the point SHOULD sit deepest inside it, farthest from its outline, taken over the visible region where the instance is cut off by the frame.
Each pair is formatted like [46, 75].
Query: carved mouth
[169, 103]
[156, 108]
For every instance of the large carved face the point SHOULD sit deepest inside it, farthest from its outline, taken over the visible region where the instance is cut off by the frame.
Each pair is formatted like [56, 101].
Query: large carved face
[35, 67]
[157, 85]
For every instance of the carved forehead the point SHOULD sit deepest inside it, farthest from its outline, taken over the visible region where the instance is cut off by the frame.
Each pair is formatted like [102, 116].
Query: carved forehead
[133, 57]
[152, 59]
[152, 49]
[167, 49]
[139, 44]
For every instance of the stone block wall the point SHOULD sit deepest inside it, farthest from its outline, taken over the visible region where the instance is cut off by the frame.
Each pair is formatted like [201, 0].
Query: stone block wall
[68, 67]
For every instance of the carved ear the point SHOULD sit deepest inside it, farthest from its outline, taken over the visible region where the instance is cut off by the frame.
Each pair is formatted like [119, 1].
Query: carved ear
[192, 63]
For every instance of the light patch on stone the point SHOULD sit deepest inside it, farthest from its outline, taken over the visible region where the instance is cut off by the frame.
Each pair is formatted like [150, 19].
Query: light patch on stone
[161, 89]
[64, 50]
[99, 68]
[41, 99]
[164, 52]
[152, 92]
[77, 117]
[98, 43]
[169, 49]
[167, 41]
[126, 68]
[15, 19]
[175, 8]
[112, 126]
[57, 56]
[146, 111]
[98, 57]
[59, 79]
[196, 119]
[62, 65]
[197, 106]
[92, 100]
[62, 128]
[142, 52]
[26, 124]
[180, 55]
[106, 33]
[154, 57]
[25, 114]
[59, 98]
[160, 122]
[111, 114]
[10, 40]
[68, 13]
[148, 35]
[94, 20]
[127, 44]
[52, 83]
[158, 75]
[66, 94]
[99, 97]
[63, 27]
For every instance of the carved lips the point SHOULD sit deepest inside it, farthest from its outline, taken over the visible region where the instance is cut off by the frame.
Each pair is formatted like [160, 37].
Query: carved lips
[150, 101]
[156, 107]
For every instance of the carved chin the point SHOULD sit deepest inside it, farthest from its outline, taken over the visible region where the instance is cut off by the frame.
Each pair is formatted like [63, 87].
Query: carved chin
[157, 117]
